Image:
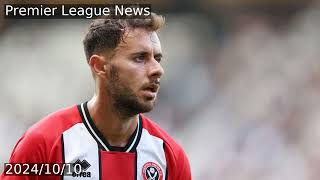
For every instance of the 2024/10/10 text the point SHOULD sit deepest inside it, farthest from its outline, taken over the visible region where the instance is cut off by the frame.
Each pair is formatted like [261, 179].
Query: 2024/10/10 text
[87, 12]
[44, 169]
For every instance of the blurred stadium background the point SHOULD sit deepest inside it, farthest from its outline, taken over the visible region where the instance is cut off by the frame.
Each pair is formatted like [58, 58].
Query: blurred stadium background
[241, 92]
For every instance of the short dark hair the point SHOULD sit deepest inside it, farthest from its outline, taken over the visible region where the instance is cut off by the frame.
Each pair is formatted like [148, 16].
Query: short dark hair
[106, 33]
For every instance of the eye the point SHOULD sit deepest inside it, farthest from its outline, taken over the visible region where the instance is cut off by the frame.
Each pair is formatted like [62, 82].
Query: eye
[140, 58]
[158, 58]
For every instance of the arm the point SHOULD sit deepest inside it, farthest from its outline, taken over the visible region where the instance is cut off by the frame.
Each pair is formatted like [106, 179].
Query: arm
[183, 167]
[178, 167]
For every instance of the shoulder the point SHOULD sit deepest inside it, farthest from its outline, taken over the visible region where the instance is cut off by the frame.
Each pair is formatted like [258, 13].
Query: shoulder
[55, 123]
[170, 145]
[39, 139]
[177, 160]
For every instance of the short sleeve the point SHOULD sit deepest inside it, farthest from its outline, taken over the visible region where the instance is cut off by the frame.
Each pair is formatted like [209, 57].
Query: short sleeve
[30, 148]
[183, 165]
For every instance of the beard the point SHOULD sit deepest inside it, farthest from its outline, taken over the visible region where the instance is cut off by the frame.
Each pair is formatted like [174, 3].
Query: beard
[125, 102]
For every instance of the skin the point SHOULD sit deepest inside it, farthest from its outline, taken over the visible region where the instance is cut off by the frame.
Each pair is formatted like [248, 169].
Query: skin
[127, 83]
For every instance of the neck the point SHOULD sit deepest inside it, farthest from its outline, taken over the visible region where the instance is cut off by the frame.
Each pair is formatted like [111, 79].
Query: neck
[115, 129]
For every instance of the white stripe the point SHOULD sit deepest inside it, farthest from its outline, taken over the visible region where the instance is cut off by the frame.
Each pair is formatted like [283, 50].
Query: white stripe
[79, 144]
[150, 149]
[94, 133]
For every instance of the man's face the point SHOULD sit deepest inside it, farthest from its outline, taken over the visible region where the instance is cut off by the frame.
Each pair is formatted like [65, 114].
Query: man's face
[134, 72]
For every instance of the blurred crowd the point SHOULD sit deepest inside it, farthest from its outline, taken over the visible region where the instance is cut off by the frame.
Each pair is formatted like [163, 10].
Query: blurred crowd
[241, 93]
[262, 120]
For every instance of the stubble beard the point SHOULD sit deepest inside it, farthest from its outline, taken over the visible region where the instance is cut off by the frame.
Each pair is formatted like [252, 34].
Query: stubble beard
[125, 102]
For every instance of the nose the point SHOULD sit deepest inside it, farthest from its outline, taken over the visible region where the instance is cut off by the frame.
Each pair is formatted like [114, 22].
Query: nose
[155, 70]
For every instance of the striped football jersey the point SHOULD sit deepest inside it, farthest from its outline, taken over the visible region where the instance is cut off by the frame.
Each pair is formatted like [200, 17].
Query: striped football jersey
[70, 139]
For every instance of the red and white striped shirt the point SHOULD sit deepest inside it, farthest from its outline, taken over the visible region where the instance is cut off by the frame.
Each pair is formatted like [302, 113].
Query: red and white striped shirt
[70, 136]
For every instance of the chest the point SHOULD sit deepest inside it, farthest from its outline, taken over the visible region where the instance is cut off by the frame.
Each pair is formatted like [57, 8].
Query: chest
[146, 161]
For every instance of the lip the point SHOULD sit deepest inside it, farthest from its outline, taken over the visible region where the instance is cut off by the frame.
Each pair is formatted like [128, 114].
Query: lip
[150, 90]
[149, 93]
[152, 87]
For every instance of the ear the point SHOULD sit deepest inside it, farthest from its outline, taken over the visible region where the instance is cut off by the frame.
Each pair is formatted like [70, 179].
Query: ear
[98, 65]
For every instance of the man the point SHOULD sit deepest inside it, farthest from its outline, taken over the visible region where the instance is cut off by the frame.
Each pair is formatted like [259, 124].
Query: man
[108, 137]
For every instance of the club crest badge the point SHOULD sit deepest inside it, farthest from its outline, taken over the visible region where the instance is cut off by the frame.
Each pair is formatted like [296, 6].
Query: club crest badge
[152, 171]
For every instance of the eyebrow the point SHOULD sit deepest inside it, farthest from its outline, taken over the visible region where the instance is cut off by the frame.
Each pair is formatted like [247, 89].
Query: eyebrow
[145, 53]
[158, 55]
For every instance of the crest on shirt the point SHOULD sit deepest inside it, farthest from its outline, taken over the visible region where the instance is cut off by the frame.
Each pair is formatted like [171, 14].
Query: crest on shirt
[152, 171]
